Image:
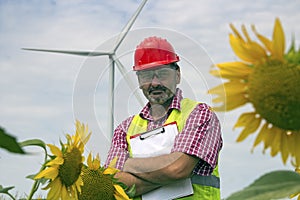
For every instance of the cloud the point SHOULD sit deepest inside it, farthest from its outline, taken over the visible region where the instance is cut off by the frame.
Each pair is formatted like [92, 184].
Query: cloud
[37, 88]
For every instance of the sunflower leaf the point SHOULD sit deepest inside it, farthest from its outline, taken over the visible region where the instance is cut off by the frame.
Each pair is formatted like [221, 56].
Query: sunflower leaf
[42, 180]
[33, 142]
[9, 142]
[131, 191]
[273, 185]
[6, 189]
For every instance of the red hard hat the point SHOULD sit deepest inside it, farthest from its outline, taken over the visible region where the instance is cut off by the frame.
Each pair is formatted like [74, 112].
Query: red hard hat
[153, 52]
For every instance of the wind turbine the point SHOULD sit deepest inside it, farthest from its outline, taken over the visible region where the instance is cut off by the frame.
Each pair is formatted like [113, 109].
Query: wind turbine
[114, 61]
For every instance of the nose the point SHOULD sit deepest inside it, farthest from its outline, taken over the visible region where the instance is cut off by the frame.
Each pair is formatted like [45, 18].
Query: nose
[155, 81]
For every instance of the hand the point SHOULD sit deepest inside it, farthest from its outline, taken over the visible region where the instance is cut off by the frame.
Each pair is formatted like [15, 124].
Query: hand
[142, 186]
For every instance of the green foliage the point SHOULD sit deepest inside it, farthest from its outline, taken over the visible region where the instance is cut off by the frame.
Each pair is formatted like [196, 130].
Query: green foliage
[131, 191]
[6, 191]
[273, 185]
[293, 55]
[9, 142]
[33, 142]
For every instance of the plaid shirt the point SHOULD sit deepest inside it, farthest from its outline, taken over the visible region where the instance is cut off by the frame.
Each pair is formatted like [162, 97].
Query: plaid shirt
[200, 137]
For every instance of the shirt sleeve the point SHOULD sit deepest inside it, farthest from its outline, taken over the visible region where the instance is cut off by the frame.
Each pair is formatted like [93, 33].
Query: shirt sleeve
[201, 137]
[119, 146]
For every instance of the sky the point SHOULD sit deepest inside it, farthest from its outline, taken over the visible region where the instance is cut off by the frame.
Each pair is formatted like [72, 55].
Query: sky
[43, 93]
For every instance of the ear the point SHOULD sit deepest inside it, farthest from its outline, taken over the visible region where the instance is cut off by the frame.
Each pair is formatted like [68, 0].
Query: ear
[178, 76]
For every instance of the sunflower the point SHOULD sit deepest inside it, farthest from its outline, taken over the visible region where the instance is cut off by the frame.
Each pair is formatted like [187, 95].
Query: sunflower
[267, 78]
[64, 167]
[99, 182]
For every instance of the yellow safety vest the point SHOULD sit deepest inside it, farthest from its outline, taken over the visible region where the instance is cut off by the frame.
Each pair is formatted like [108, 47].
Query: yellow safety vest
[205, 187]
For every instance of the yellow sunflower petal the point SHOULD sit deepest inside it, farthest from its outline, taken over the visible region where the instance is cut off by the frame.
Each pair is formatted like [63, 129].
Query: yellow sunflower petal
[250, 52]
[250, 122]
[261, 135]
[55, 190]
[229, 88]
[50, 173]
[245, 32]
[233, 101]
[237, 46]
[80, 147]
[234, 87]
[278, 41]
[284, 147]
[82, 132]
[226, 74]
[277, 133]
[257, 52]
[65, 194]
[69, 138]
[236, 68]
[293, 146]
[72, 193]
[89, 160]
[79, 183]
[266, 42]
[55, 150]
[96, 162]
[236, 33]
[232, 94]
[219, 90]
[113, 162]
[56, 161]
[120, 193]
[86, 138]
[93, 164]
[297, 152]
[110, 170]
[228, 105]
[269, 137]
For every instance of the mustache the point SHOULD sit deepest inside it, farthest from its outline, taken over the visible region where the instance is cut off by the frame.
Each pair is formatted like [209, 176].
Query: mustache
[159, 87]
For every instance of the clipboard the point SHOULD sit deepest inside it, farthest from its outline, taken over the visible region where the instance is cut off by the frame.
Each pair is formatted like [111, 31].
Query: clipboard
[157, 142]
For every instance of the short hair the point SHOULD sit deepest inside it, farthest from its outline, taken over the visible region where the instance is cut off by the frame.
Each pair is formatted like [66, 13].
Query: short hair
[174, 65]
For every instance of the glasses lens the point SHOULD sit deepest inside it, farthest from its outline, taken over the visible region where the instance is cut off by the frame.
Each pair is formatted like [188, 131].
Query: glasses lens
[161, 74]
[146, 75]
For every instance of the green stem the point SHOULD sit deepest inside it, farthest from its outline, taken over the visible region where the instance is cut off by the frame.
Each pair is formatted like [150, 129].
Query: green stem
[36, 183]
[11, 196]
[34, 188]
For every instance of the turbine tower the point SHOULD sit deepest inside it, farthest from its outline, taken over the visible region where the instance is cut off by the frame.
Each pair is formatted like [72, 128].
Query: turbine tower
[114, 61]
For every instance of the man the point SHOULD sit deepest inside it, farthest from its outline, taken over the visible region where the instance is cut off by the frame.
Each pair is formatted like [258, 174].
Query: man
[195, 149]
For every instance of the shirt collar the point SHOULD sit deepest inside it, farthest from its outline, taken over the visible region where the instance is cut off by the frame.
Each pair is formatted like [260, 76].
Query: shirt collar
[175, 104]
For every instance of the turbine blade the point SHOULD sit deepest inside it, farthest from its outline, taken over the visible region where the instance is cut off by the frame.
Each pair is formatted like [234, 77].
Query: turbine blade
[128, 80]
[128, 25]
[78, 53]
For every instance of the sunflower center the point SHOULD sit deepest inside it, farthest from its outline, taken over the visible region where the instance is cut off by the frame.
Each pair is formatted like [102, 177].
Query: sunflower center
[275, 93]
[96, 185]
[70, 170]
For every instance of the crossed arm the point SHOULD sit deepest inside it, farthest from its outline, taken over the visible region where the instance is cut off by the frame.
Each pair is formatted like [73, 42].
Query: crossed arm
[150, 173]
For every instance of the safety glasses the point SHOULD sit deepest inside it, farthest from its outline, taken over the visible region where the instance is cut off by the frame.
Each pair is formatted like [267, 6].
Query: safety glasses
[162, 74]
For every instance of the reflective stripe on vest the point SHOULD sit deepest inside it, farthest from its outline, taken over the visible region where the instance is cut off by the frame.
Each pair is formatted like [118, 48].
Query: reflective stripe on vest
[211, 180]
[139, 125]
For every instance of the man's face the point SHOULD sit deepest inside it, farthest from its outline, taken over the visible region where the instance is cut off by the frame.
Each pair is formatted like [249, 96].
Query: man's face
[159, 84]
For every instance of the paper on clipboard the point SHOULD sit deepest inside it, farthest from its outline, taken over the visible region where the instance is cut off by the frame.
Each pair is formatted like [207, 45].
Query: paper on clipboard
[175, 190]
[154, 143]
